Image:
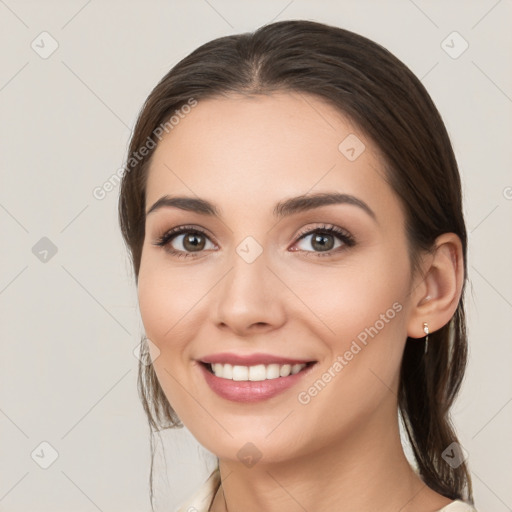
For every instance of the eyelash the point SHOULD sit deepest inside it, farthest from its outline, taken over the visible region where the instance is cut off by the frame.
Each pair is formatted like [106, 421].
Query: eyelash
[345, 237]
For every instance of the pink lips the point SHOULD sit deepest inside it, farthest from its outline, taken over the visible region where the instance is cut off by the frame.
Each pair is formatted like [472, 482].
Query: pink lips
[250, 391]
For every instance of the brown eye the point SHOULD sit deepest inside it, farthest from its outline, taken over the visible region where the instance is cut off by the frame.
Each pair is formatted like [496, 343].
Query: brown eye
[193, 242]
[322, 242]
[183, 241]
[325, 239]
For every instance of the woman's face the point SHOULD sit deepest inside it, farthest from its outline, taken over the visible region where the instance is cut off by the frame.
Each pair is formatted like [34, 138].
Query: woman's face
[265, 281]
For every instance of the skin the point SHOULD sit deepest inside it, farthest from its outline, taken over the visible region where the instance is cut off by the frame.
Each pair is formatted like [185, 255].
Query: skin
[342, 450]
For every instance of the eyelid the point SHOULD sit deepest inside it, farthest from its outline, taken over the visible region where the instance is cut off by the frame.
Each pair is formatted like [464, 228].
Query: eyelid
[325, 228]
[172, 233]
[345, 237]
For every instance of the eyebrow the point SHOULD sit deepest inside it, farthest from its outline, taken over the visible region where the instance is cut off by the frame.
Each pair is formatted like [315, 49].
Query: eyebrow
[282, 209]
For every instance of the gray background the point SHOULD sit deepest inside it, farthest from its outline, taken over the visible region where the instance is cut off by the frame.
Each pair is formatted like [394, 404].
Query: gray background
[69, 320]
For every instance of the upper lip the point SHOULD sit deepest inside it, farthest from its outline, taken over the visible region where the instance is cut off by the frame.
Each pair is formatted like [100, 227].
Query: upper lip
[251, 359]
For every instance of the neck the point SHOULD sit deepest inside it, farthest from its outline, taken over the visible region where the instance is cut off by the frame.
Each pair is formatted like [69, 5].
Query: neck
[363, 472]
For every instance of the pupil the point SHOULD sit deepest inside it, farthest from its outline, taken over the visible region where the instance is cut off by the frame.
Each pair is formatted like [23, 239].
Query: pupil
[325, 242]
[191, 242]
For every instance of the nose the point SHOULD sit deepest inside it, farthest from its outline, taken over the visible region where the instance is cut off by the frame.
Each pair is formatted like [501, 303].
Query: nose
[250, 298]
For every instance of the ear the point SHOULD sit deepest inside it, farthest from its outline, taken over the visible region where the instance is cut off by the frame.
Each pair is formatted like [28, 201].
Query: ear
[437, 291]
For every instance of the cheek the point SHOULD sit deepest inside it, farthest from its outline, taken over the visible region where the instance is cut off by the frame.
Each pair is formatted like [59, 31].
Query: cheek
[164, 300]
[160, 309]
[363, 317]
[364, 294]
[367, 317]
[167, 296]
[153, 301]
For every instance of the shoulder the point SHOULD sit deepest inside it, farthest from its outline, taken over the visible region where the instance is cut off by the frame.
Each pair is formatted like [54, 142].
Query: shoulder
[203, 497]
[458, 506]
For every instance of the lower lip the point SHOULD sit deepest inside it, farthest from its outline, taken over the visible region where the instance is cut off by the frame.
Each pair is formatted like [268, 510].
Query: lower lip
[251, 391]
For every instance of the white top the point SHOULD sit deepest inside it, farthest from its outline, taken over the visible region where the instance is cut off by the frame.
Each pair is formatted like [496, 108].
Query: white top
[203, 498]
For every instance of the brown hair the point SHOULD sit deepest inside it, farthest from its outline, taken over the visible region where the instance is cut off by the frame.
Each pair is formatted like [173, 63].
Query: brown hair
[389, 104]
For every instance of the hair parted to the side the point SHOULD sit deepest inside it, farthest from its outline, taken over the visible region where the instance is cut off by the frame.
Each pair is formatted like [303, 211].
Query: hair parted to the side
[389, 104]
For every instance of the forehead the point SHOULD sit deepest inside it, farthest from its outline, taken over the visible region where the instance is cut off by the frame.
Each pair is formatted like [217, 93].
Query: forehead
[259, 149]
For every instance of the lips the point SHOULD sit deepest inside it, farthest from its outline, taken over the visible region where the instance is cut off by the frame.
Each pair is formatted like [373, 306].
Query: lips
[252, 378]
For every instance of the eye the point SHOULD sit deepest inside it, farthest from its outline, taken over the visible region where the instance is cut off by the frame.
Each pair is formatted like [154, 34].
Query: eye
[184, 241]
[188, 240]
[323, 240]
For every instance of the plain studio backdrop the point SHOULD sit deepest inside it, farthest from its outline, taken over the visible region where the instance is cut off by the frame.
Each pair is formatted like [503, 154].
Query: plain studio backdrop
[73, 76]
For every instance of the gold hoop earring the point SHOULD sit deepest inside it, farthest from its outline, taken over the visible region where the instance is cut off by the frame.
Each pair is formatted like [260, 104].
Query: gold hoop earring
[425, 330]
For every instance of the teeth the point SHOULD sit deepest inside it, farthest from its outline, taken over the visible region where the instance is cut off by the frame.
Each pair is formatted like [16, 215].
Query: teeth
[255, 373]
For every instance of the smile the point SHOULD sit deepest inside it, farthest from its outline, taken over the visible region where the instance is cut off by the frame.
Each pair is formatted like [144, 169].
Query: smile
[253, 383]
[254, 373]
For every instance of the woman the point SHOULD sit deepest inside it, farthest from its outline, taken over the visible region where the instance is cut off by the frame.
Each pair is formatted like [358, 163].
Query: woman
[292, 206]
